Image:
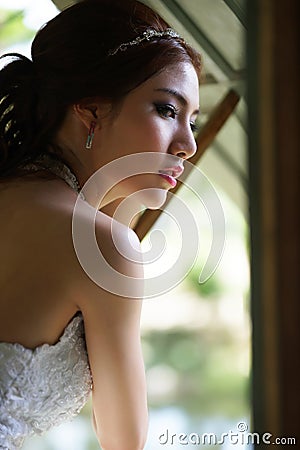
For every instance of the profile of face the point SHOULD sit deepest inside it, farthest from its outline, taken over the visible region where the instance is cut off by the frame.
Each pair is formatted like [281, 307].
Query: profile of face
[157, 117]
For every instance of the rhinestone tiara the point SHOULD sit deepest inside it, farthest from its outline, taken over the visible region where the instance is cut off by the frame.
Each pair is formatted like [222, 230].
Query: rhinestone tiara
[146, 36]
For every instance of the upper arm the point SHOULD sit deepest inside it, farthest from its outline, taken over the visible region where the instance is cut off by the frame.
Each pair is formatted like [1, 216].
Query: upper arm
[112, 327]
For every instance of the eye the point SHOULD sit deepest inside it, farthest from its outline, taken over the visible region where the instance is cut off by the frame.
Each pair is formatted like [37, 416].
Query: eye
[194, 127]
[166, 110]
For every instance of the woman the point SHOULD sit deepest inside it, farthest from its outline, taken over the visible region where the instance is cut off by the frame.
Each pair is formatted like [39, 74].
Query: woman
[107, 79]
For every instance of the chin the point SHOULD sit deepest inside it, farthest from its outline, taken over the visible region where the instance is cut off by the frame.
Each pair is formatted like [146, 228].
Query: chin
[152, 198]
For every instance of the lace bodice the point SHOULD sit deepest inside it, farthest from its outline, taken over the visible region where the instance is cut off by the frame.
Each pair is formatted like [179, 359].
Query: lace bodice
[43, 387]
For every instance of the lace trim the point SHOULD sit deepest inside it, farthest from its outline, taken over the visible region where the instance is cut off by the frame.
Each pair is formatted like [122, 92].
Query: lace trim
[42, 387]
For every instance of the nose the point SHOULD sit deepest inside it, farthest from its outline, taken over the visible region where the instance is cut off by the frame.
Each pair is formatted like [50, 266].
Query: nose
[184, 144]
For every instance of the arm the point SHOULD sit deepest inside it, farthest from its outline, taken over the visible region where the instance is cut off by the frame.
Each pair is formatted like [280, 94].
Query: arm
[113, 344]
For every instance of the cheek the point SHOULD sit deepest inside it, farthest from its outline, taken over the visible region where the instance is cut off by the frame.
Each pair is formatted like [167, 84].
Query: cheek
[157, 134]
[146, 134]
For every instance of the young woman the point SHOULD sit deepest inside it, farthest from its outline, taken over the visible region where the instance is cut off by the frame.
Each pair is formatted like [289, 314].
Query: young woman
[108, 79]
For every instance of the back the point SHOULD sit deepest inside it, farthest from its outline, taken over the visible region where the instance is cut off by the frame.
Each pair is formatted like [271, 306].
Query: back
[36, 242]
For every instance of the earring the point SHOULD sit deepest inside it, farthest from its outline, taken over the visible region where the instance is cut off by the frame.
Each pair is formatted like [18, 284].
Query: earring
[90, 137]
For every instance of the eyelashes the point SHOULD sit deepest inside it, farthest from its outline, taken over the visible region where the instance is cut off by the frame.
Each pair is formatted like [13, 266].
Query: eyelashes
[195, 128]
[169, 111]
[166, 110]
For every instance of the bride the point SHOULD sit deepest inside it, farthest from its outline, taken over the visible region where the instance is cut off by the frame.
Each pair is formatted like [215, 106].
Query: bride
[108, 79]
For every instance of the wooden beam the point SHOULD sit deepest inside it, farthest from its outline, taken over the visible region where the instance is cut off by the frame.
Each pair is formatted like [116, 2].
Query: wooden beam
[206, 136]
[274, 181]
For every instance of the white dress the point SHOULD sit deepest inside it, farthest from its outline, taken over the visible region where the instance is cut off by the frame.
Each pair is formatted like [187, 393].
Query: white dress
[43, 387]
[46, 386]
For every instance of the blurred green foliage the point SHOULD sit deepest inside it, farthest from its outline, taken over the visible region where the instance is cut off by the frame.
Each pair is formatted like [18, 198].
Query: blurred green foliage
[12, 29]
[205, 365]
[207, 290]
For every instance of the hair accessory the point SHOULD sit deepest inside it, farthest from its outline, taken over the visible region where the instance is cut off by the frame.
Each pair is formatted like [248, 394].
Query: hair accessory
[146, 36]
[90, 137]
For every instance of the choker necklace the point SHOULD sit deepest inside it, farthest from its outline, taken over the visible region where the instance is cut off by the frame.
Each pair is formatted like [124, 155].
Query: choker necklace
[57, 167]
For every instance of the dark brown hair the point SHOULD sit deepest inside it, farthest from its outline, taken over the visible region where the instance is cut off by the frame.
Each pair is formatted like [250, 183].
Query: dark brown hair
[71, 62]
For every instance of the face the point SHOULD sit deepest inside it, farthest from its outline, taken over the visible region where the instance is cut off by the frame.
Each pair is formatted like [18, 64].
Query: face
[156, 117]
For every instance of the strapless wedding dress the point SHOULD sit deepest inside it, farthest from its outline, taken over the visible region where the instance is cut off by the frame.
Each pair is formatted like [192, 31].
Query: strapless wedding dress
[43, 387]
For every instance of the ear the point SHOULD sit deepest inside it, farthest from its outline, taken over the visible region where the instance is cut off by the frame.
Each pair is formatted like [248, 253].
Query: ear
[88, 112]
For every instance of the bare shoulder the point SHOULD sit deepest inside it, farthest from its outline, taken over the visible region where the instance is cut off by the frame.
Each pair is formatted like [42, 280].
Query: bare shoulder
[108, 254]
[89, 256]
[86, 251]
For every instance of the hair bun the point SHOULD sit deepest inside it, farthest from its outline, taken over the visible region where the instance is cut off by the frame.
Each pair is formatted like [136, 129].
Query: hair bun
[19, 65]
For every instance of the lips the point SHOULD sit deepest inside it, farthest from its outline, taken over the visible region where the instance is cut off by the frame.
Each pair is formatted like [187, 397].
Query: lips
[174, 172]
[171, 174]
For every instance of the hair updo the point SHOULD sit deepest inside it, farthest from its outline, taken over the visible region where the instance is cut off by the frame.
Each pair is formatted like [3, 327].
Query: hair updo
[71, 62]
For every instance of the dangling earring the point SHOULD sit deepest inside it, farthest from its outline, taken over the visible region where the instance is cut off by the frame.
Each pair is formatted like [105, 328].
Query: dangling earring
[90, 137]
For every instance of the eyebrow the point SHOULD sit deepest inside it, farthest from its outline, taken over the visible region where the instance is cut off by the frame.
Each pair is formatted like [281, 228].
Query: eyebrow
[179, 97]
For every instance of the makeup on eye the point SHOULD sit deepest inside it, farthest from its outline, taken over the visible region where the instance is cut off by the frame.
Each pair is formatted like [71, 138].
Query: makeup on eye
[168, 110]
[178, 96]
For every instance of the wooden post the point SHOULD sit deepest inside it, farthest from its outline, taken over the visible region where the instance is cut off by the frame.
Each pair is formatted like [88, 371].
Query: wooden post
[273, 78]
